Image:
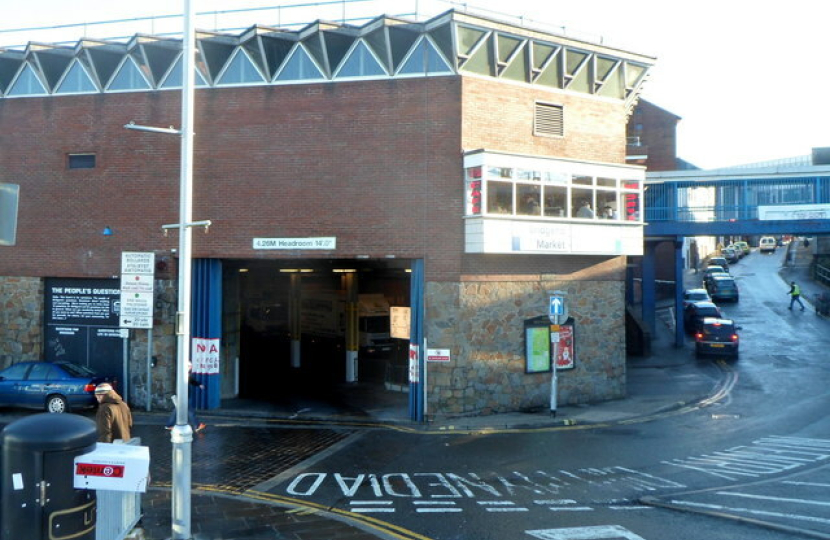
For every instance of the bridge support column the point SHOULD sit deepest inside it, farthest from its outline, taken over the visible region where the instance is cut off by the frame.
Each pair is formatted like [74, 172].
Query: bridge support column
[648, 285]
[679, 286]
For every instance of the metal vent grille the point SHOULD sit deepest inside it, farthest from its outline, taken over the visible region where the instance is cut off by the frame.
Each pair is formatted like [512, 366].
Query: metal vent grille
[548, 120]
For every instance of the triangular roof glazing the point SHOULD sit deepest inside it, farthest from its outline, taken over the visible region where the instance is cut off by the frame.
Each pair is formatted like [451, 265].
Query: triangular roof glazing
[300, 67]
[424, 59]
[173, 79]
[240, 70]
[129, 77]
[361, 62]
[27, 83]
[76, 81]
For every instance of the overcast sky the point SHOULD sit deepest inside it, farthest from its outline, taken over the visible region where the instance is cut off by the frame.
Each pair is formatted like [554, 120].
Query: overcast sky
[749, 79]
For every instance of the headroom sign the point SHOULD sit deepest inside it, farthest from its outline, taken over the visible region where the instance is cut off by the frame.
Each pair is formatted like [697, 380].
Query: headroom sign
[324, 243]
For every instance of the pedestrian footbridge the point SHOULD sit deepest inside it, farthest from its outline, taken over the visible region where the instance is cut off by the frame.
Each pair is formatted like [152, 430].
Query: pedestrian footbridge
[752, 201]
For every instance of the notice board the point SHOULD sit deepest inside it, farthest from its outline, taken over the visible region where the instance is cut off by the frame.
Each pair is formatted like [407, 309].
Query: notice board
[81, 323]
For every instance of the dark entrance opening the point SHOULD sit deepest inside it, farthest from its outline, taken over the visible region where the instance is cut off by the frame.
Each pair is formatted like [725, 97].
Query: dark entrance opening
[274, 298]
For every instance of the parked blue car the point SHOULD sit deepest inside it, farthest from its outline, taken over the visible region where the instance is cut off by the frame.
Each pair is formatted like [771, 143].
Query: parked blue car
[55, 387]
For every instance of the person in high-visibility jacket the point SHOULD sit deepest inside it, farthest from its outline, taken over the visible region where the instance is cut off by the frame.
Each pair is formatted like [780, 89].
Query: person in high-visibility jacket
[795, 295]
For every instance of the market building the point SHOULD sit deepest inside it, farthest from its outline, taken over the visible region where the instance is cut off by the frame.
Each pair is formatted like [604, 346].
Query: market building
[455, 171]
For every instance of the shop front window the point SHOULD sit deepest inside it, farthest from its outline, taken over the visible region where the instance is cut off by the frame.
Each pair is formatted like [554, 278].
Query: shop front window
[528, 199]
[555, 202]
[607, 206]
[531, 191]
[582, 203]
[499, 197]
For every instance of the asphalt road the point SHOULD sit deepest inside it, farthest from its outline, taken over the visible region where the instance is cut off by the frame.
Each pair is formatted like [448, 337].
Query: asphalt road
[752, 466]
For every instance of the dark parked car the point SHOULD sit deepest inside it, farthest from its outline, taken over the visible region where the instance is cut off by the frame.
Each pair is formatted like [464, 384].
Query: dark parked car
[56, 387]
[732, 255]
[719, 261]
[712, 268]
[707, 279]
[695, 312]
[717, 336]
[695, 295]
[723, 288]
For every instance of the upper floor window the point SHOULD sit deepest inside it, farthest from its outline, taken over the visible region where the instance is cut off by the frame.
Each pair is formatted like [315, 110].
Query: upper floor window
[510, 191]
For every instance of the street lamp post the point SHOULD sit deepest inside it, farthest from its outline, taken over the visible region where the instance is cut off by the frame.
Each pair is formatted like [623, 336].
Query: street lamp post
[181, 435]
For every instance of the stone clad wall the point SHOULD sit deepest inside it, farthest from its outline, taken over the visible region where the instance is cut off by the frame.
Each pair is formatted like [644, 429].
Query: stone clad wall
[21, 336]
[21, 319]
[163, 375]
[482, 323]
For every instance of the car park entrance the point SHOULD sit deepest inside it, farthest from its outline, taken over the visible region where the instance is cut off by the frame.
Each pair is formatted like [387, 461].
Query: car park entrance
[312, 328]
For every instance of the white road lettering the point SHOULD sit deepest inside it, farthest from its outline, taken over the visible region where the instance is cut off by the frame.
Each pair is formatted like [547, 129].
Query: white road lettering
[767, 456]
[597, 532]
[403, 480]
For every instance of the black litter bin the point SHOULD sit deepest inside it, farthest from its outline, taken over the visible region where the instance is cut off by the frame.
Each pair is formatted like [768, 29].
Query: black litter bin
[38, 500]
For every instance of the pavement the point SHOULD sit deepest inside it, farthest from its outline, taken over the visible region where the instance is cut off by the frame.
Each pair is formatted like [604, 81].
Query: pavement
[236, 459]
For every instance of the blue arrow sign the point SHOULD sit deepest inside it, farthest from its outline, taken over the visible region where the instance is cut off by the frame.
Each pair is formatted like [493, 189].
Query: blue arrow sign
[557, 305]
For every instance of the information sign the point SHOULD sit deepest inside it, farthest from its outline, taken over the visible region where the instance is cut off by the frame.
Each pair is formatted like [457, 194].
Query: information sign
[137, 284]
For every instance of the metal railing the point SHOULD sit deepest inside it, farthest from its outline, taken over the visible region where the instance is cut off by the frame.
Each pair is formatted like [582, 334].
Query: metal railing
[701, 213]
[822, 274]
[118, 511]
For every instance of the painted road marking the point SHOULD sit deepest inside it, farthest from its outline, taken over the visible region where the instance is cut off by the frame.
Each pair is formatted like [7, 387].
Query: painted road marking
[502, 506]
[436, 507]
[770, 498]
[440, 492]
[808, 484]
[767, 456]
[751, 511]
[448, 485]
[597, 532]
[372, 507]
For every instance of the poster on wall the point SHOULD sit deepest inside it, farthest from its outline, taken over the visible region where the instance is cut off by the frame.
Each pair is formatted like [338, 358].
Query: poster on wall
[205, 355]
[537, 349]
[81, 323]
[565, 356]
[537, 345]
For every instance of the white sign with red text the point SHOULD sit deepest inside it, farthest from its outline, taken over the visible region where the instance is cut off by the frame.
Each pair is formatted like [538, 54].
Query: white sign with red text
[205, 355]
[137, 298]
[438, 355]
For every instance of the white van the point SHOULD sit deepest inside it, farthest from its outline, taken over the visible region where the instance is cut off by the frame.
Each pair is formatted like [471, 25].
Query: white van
[767, 244]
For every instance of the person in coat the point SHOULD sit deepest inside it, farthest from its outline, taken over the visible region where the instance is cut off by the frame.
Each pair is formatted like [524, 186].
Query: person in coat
[114, 419]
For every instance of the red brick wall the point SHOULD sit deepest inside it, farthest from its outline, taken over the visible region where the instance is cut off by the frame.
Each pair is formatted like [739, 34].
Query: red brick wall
[658, 135]
[499, 116]
[376, 164]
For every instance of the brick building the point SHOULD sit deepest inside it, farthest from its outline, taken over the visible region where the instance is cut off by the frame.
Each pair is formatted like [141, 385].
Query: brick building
[439, 165]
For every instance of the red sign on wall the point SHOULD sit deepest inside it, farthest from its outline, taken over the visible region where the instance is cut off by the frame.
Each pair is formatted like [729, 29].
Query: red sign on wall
[565, 350]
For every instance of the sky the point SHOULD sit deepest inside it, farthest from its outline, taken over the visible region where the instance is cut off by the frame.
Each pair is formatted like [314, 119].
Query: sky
[749, 79]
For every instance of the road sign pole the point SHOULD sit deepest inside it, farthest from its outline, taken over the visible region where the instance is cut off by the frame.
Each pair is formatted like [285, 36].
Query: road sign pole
[554, 382]
[557, 313]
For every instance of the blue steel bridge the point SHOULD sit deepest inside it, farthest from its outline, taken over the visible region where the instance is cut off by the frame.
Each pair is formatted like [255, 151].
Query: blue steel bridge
[736, 202]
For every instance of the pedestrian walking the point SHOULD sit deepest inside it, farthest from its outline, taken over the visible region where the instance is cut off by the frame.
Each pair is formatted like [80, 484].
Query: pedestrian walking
[113, 419]
[795, 295]
[191, 409]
